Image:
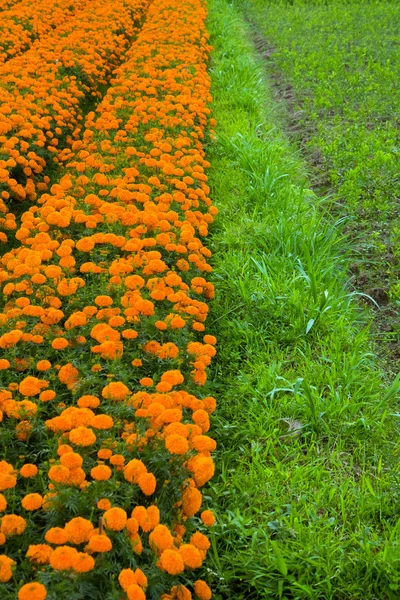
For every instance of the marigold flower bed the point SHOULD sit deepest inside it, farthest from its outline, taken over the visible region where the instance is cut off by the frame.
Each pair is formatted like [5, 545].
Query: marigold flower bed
[28, 20]
[103, 348]
[6, 4]
[44, 91]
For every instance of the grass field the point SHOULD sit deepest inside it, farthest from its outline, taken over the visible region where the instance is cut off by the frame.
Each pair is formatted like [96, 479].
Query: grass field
[307, 484]
[337, 65]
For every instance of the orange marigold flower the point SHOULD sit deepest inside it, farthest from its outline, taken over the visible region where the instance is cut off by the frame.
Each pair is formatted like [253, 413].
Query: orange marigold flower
[12, 525]
[59, 473]
[63, 449]
[104, 453]
[59, 343]
[68, 375]
[4, 364]
[31, 386]
[101, 473]
[191, 500]
[3, 503]
[88, 401]
[62, 557]
[103, 504]
[102, 422]
[126, 578]
[117, 459]
[141, 578]
[99, 543]
[176, 444]
[32, 501]
[146, 382]
[103, 300]
[191, 556]
[56, 535]
[200, 541]
[78, 530]
[47, 395]
[71, 460]
[43, 365]
[116, 390]
[32, 591]
[202, 590]
[172, 562]
[147, 483]
[133, 469]
[82, 562]
[161, 539]
[134, 592]
[7, 481]
[115, 518]
[82, 436]
[6, 564]
[208, 518]
[39, 553]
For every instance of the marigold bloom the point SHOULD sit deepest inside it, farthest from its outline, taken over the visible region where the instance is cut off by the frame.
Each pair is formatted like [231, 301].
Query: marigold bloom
[202, 590]
[191, 501]
[88, 401]
[176, 444]
[32, 591]
[12, 525]
[126, 578]
[71, 460]
[3, 503]
[115, 518]
[39, 553]
[82, 562]
[161, 539]
[59, 343]
[172, 562]
[115, 390]
[208, 518]
[191, 556]
[56, 535]
[103, 504]
[58, 473]
[6, 564]
[82, 436]
[31, 386]
[32, 501]
[78, 530]
[43, 365]
[134, 592]
[147, 483]
[101, 473]
[99, 543]
[61, 558]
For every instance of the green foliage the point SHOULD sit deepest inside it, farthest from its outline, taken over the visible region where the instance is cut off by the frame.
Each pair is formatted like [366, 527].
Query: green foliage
[340, 66]
[307, 486]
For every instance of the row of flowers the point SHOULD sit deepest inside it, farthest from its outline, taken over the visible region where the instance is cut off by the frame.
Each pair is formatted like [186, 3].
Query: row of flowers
[29, 20]
[103, 348]
[45, 91]
[6, 4]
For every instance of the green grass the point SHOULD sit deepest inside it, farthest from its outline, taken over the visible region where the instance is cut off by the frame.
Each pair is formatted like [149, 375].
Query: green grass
[307, 488]
[339, 63]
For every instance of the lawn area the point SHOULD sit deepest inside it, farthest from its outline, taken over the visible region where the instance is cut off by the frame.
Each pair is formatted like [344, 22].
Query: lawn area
[337, 64]
[307, 486]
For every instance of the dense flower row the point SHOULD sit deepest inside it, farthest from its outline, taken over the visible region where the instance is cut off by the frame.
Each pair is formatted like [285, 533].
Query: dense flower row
[44, 91]
[32, 19]
[103, 348]
[6, 4]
